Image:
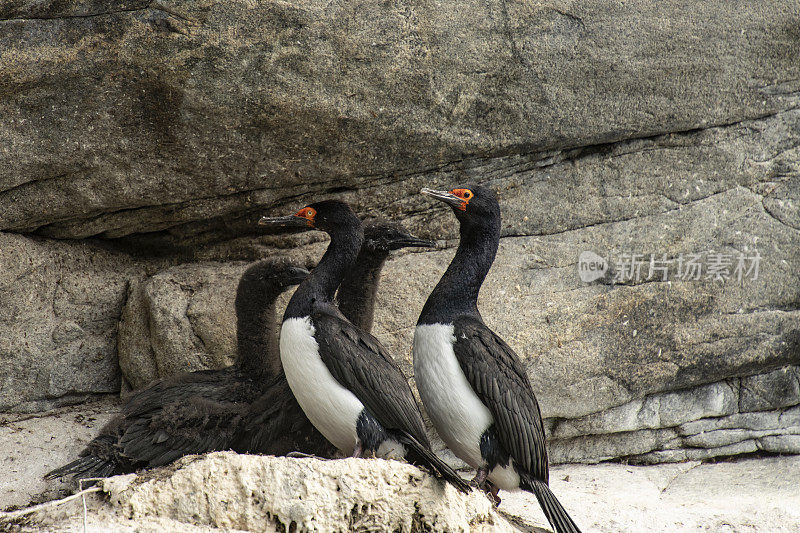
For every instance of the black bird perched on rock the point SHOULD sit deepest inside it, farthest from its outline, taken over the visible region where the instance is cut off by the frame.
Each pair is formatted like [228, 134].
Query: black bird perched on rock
[357, 293]
[472, 383]
[204, 411]
[275, 422]
[347, 384]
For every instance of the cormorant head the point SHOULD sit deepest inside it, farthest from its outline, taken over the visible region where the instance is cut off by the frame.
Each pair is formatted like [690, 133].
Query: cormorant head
[327, 215]
[270, 278]
[471, 203]
[383, 236]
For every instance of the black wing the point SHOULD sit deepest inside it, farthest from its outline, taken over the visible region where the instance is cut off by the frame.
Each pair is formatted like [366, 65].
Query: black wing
[100, 458]
[361, 364]
[498, 378]
[190, 414]
[180, 428]
[227, 384]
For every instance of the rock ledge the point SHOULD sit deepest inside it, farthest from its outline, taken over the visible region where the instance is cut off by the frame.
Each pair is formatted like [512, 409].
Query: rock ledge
[229, 491]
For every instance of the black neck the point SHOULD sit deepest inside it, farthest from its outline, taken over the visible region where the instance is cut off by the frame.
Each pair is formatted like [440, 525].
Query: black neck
[359, 289]
[456, 294]
[256, 334]
[320, 286]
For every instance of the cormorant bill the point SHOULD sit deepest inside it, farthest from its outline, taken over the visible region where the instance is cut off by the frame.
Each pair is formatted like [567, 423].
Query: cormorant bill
[357, 292]
[205, 411]
[472, 383]
[344, 379]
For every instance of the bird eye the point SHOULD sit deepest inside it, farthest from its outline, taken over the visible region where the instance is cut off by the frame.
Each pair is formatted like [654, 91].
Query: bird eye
[464, 194]
[307, 212]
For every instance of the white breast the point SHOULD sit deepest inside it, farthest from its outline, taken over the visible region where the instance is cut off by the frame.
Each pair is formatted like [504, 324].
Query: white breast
[457, 413]
[460, 417]
[328, 405]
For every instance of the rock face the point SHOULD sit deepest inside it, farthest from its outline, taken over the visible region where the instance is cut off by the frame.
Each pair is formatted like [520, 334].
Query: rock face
[180, 320]
[141, 140]
[141, 116]
[183, 319]
[59, 308]
[732, 417]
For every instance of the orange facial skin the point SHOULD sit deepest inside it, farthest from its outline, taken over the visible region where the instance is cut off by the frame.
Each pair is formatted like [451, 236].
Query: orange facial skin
[465, 195]
[307, 213]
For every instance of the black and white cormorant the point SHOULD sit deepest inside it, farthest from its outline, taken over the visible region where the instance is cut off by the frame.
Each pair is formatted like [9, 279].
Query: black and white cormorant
[357, 293]
[344, 379]
[471, 382]
[207, 410]
[275, 423]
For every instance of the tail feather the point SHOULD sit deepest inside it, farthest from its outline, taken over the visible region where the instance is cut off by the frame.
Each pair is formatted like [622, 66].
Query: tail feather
[553, 510]
[423, 456]
[84, 467]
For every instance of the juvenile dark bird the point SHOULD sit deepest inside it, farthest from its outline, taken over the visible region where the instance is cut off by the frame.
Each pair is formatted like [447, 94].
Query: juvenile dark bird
[204, 411]
[347, 384]
[471, 382]
[357, 293]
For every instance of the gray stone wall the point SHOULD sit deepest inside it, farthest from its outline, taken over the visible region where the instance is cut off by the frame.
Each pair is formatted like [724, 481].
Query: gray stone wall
[140, 141]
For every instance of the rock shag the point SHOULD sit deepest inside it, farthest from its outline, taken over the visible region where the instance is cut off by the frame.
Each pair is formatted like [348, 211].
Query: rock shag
[356, 296]
[344, 379]
[471, 382]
